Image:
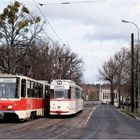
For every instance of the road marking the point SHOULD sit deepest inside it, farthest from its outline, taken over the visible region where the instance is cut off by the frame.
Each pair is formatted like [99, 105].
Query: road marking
[89, 116]
[75, 124]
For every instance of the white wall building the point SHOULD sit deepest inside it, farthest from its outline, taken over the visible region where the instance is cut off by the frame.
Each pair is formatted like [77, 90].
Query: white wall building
[105, 95]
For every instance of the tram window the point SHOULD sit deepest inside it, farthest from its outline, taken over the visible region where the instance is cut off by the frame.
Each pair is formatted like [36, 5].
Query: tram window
[36, 90]
[59, 93]
[72, 93]
[32, 89]
[51, 93]
[66, 94]
[23, 88]
[17, 89]
[38, 93]
[82, 95]
[47, 93]
[77, 93]
[41, 91]
[28, 88]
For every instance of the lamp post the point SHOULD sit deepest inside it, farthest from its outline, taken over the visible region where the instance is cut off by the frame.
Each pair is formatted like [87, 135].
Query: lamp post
[125, 21]
[138, 67]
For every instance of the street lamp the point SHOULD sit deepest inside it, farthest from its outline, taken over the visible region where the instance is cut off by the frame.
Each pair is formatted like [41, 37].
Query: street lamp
[125, 21]
[138, 67]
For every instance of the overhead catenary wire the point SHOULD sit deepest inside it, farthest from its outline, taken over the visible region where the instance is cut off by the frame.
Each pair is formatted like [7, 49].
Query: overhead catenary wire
[49, 37]
[48, 22]
[44, 32]
[71, 2]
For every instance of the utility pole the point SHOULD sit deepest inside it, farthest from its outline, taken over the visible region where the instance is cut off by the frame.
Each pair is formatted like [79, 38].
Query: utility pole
[132, 72]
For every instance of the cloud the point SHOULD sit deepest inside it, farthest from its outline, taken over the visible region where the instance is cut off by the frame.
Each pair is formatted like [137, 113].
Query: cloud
[94, 31]
[104, 18]
[106, 33]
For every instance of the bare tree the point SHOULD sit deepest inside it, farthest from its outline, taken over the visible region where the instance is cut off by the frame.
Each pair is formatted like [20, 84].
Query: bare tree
[108, 73]
[43, 62]
[18, 30]
[65, 63]
[121, 59]
[23, 52]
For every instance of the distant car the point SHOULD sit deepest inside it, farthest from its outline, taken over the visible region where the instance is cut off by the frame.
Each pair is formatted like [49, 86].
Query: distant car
[127, 103]
[103, 103]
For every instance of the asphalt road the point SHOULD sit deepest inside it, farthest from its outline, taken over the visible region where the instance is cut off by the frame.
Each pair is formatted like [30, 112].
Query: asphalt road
[46, 128]
[103, 122]
[106, 123]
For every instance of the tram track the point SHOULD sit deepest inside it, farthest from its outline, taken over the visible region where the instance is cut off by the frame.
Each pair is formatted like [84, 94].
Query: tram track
[33, 127]
[59, 128]
[30, 127]
[56, 129]
[77, 124]
[49, 128]
[16, 128]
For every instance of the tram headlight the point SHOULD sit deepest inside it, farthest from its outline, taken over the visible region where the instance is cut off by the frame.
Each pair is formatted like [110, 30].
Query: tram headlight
[10, 106]
[58, 107]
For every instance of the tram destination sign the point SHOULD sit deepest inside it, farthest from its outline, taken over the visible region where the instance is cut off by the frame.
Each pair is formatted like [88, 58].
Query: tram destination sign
[7, 80]
[59, 82]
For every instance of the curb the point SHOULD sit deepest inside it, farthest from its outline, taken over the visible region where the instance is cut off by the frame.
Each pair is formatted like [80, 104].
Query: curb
[135, 117]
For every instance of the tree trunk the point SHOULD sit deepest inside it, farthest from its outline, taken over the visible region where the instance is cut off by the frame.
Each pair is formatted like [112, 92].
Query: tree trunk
[112, 93]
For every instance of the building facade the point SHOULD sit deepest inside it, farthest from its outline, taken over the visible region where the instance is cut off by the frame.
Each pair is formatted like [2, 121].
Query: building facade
[105, 95]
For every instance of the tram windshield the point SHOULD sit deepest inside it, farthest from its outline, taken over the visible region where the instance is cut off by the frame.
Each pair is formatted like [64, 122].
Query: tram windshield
[8, 88]
[60, 93]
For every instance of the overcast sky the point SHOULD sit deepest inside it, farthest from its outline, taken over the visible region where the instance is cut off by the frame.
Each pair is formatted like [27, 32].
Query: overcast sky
[92, 30]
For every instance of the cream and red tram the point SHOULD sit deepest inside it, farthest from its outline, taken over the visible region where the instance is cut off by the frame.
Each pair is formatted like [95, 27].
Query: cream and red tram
[66, 97]
[22, 97]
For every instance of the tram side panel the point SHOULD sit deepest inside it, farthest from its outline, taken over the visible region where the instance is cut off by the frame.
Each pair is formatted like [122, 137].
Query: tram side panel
[29, 107]
[21, 97]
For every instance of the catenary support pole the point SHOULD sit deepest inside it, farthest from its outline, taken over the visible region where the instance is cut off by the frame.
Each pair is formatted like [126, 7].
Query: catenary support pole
[132, 72]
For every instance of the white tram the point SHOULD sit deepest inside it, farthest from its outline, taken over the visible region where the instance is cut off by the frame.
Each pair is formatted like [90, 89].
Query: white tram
[66, 97]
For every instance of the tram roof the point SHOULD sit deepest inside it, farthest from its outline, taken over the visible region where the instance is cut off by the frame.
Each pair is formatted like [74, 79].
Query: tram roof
[64, 82]
[22, 76]
[60, 81]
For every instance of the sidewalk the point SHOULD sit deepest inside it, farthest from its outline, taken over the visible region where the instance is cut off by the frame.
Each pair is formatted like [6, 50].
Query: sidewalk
[134, 114]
